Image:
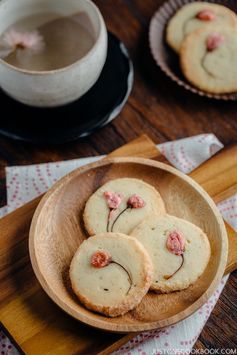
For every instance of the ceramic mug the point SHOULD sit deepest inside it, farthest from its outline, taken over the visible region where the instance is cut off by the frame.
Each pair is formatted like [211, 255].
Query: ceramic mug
[61, 86]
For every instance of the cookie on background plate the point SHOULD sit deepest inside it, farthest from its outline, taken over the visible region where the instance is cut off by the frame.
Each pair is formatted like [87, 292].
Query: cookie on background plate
[121, 204]
[111, 273]
[179, 251]
[208, 59]
[194, 16]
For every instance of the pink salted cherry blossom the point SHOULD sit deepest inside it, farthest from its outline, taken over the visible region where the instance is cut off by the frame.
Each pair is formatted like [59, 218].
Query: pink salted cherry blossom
[175, 243]
[214, 41]
[100, 259]
[13, 40]
[206, 15]
[135, 201]
[113, 199]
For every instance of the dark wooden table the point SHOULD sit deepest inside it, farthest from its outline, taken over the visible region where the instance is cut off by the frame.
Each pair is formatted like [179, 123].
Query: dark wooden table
[162, 110]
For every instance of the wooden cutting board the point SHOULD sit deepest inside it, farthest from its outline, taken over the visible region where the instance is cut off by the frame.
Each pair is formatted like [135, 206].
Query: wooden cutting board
[35, 322]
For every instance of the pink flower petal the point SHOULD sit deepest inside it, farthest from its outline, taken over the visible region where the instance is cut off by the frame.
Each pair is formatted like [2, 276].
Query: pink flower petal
[175, 243]
[113, 199]
[14, 39]
[100, 259]
[206, 15]
[214, 41]
[135, 201]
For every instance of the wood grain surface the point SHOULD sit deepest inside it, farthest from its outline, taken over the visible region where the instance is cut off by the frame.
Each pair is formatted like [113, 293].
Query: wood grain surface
[156, 107]
[218, 176]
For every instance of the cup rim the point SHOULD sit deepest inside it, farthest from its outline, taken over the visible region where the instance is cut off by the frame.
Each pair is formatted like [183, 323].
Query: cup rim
[81, 60]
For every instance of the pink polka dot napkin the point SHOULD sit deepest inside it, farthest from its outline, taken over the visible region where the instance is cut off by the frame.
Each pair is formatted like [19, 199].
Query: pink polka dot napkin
[27, 182]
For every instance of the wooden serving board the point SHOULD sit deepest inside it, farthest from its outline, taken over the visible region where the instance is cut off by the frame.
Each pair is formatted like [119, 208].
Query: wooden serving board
[35, 322]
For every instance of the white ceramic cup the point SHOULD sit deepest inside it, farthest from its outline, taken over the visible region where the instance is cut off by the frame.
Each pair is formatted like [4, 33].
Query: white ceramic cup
[54, 87]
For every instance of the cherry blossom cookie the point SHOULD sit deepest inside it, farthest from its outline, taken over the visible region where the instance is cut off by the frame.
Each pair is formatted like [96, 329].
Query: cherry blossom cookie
[120, 205]
[194, 16]
[111, 273]
[208, 59]
[179, 251]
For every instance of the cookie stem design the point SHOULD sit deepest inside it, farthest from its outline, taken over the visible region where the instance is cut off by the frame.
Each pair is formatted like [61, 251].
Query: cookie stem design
[176, 245]
[213, 42]
[101, 259]
[167, 277]
[113, 201]
[109, 218]
[203, 65]
[129, 276]
[124, 210]
[134, 201]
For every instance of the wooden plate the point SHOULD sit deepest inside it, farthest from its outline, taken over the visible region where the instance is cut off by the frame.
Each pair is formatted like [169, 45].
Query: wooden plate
[166, 58]
[57, 231]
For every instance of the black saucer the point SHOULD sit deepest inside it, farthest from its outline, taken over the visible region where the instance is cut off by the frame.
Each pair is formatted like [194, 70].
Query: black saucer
[97, 107]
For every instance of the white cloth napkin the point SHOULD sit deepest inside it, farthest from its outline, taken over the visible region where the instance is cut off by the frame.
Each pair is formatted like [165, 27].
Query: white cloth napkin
[26, 182]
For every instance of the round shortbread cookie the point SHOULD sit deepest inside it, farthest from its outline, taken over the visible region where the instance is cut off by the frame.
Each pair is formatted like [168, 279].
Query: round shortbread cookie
[179, 251]
[111, 273]
[194, 16]
[208, 59]
[132, 199]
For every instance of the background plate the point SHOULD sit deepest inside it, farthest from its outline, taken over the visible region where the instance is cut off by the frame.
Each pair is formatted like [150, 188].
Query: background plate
[165, 57]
